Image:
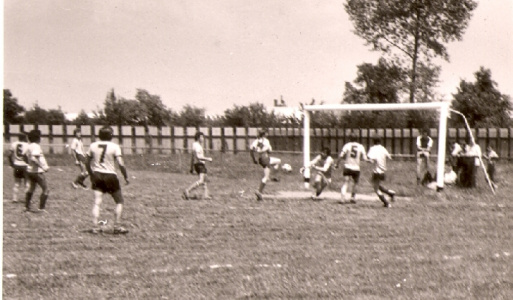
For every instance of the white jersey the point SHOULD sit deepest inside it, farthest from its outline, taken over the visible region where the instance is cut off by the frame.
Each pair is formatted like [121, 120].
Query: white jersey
[424, 143]
[103, 156]
[77, 146]
[18, 150]
[262, 146]
[353, 153]
[379, 154]
[197, 153]
[34, 152]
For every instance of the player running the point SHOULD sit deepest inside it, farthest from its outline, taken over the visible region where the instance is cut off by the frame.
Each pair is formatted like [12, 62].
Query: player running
[36, 169]
[78, 153]
[352, 153]
[198, 160]
[18, 164]
[101, 160]
[323, 164]
[261, 147]
[378, 156]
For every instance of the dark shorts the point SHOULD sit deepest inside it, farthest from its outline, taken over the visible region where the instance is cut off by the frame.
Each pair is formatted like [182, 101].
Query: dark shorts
[265, 161]
[200, 168]
[105, 183]
[81, 158]
[352, 173]
[20, 172]
[39, 179]
[378, 177]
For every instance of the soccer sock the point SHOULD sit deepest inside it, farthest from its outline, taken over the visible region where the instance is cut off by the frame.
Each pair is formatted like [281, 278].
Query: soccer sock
[261, 187]
[28, 198]
[15, 192]
[382, 198]
[42, 201]
[117, 213]
[384, 190]
[96, 214]
[344, 191]
[318, 191]
[205, 191]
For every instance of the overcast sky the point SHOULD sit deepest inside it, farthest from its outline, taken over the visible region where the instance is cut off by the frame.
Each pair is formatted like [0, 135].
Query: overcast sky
[213, 54]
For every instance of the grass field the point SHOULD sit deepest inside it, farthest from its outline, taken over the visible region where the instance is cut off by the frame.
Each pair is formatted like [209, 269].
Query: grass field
[456, 244]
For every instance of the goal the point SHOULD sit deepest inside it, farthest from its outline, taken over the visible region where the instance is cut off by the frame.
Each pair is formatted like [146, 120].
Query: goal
[442, 107]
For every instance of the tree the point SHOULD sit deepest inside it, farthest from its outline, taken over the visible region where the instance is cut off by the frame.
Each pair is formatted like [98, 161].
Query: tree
[413, 31]
[82, 119]
[154, 111]
[191, 116]
[481, 102]
[254, 115]
[39, 115]
[122, 111]
[12, 110]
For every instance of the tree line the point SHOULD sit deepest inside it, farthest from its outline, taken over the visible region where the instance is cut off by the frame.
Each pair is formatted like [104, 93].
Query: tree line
[410, 34]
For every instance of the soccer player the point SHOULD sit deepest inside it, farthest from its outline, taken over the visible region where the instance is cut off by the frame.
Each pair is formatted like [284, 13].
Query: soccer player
[424, 144]
[491, 158]
[101, 160]
[78, 153]
[198, 160]
[351, 153]
[261, 147]
[378, 155]
[323, 164]
[473, 151]
[36, 169]
[18, 164]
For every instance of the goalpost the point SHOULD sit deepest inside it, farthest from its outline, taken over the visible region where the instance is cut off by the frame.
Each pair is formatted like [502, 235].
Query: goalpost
[443, 107]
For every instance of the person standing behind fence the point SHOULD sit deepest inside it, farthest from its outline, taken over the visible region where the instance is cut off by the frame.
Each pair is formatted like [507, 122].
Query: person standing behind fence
[378, 155]
[18, 164]
[262, 147]
[474, 151]
[198, 160]
[491, 158]
[424, 144]
[352, 153]
[36, 169]
[101, 160]
[78, 153]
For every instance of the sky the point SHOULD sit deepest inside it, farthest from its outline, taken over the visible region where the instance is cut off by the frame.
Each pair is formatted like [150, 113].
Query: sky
[213, 54]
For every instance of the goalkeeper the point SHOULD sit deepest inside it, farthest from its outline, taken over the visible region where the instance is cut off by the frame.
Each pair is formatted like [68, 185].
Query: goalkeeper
[323, 164]
[424, 144]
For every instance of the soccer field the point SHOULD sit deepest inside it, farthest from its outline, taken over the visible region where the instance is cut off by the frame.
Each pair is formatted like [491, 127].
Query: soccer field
[456, 244]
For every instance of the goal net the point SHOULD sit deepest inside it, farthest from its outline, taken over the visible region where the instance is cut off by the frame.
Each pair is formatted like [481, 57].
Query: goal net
[442, 107]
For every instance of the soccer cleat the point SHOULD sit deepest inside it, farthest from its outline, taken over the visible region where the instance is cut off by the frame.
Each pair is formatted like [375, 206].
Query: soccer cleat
[41, 211]
[84, 187]
[352, 201]
[74, 185]
[120, 230]
[185, 196]
[387, 204]
[259, 196]
[392, 195]
[207, 198]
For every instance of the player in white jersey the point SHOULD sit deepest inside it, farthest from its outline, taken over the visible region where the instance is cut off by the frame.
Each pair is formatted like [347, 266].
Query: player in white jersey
[261, 148]
[378, 155]
[198, 160]
[18, 164]
[323, 164]
[78, 153]
[101, 160]
[352, 153]
[36, 169]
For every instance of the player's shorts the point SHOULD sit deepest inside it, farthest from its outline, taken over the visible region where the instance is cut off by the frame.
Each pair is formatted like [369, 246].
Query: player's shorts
[39, 179]
[320, 176]
[355, 174]
[81, 158]
[378, 176]
[200, 168]
[20, 172]
[268, 161]
[105, 183]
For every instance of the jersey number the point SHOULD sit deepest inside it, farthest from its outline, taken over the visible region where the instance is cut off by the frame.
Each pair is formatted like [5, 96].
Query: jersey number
[102, 157]
[354, 151]
[19, 150]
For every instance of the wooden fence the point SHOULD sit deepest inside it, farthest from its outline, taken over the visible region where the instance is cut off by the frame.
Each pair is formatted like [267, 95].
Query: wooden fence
[138, 139]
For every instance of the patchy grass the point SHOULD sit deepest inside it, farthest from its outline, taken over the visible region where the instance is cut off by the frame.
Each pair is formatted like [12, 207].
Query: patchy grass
[456, 244]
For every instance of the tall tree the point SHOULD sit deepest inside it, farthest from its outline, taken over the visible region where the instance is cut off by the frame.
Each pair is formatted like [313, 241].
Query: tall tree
[12, 110]
[155, 112]
[122, 111]
[482, 103]
[410, 30]
[191, 116]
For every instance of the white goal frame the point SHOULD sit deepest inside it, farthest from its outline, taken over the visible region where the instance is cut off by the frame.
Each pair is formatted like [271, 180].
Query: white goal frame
[443, 108]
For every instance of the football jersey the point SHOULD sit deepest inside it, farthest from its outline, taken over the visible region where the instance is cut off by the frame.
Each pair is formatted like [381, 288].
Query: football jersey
[103, 156]
[380, 155]
[353, 153]
[326, 164]
[424, 143]
[18, 150]
[197, 153]
[34, 152]
[77, 146]
[262, 146]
